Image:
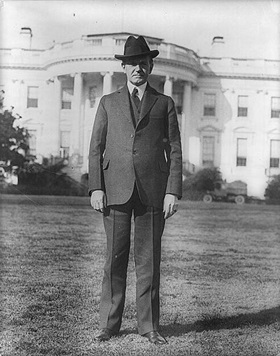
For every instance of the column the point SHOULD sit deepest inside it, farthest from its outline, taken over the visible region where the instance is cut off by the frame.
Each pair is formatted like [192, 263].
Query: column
[186, 120]
[44, 113]
[76, 114]
[54, 128]
[107, 82]
[168, 85]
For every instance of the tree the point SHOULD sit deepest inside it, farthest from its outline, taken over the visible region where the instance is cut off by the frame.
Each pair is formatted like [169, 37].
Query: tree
[13, 139]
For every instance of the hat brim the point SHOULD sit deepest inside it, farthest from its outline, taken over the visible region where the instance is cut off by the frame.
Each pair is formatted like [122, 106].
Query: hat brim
[152, 54]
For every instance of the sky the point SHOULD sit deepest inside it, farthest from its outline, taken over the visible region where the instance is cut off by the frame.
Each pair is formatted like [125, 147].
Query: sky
[251, 28]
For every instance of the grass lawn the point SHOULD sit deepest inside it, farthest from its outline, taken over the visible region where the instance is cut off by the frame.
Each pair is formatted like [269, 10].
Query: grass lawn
[220, 281]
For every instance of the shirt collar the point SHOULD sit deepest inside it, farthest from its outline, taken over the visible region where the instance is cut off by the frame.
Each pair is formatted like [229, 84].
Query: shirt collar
[141, 89]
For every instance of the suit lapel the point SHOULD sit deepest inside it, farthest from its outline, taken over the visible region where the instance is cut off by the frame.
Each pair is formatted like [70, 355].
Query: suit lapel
[149, 100]
[124, 103]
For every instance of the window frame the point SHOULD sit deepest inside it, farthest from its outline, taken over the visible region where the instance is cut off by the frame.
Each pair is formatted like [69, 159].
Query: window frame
[32, 102]
[242, 109]
[275, 113]
[208, 163]
[207, 106]
[274, 159]
[178, 98]
[241, 161]
[66, 104]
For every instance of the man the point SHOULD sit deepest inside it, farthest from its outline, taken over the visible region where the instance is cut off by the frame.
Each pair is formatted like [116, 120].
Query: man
[135, 169]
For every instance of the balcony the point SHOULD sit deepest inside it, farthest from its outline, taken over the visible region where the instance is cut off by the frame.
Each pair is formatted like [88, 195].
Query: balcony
[88, 47]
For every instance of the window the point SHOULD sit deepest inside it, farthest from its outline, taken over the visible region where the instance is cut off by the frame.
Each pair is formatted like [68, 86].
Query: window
[94, 42]
[274, 153]
[178, 99]
[241, 159]
[67, 96]
[275, 107]
[32, 97]
[208, 151]
[209, 105]
[92, 96]
[120, 42]
[242, 106]
[64, 144]
[32, 142]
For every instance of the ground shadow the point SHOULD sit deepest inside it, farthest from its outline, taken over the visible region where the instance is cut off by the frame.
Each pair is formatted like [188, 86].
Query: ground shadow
[262, 318]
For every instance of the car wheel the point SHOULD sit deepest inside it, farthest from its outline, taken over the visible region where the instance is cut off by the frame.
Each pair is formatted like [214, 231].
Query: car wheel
[207, 198]
[239, 199]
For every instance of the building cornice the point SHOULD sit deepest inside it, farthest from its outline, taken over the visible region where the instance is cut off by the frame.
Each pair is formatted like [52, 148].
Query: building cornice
[183, 65]
[240, 76]
[18, 67]
[163, 61]
[80, 59]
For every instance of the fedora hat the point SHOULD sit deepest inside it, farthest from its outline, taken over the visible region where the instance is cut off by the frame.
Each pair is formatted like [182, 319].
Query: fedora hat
[136, 47]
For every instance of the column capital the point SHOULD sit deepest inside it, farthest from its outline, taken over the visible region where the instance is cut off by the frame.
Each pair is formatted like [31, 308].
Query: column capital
[77, 75]
[169, 78]
[187, 83]
[50, 81]
[55, 80]
[107, 73]
[80, 74]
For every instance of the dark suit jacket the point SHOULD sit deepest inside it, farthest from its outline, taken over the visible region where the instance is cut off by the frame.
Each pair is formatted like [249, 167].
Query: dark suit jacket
[148, 154]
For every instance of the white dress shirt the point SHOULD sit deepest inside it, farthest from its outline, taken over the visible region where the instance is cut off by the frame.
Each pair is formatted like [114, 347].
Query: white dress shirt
[141, 89]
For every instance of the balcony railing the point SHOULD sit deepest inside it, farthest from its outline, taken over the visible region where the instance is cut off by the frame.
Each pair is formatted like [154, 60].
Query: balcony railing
[88, 46]
[105, 46]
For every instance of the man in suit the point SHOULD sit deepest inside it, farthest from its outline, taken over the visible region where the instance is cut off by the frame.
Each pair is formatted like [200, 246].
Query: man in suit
[135, 169]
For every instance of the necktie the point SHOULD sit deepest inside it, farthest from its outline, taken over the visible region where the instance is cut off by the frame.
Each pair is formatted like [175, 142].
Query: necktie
[135, 97]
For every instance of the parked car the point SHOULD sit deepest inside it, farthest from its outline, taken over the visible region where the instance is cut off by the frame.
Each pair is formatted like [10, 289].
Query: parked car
[235, 192]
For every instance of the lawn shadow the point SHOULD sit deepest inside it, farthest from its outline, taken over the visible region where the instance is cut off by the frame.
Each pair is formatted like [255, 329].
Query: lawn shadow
[262, 318]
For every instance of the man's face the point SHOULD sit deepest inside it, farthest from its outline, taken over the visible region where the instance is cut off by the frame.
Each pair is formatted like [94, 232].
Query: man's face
[137, 70]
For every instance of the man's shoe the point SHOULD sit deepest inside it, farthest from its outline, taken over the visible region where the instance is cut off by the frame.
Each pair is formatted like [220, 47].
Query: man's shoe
[155, 338]
[105, 335]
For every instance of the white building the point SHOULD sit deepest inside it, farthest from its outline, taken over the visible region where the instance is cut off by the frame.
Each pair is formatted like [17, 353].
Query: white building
[228, 108]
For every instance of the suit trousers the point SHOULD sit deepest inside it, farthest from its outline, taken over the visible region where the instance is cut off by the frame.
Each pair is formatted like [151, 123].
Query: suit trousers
[148, 229]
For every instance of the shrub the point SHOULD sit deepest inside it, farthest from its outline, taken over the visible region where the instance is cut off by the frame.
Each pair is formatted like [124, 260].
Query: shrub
[272, 191]
[46, 179]
[13, 139]
[196, 185]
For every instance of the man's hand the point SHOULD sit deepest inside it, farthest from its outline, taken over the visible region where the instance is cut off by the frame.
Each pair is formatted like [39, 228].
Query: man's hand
[98, 200]
[170, 205]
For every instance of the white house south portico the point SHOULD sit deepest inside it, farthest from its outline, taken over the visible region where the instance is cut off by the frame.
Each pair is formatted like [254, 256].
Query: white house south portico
[79, 77]
[228, 109]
